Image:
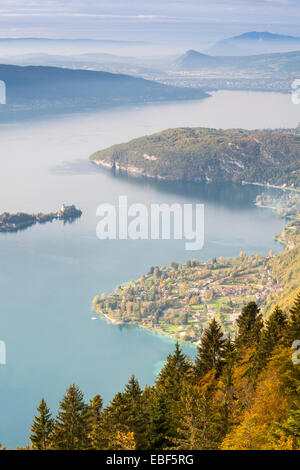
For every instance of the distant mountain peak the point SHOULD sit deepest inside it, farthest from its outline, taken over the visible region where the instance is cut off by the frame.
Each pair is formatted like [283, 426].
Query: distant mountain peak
[193, 53]
[255, 42]
[265, 35]
[192, 59]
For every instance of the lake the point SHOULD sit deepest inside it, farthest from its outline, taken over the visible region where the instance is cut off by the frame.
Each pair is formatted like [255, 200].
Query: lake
[50, 273]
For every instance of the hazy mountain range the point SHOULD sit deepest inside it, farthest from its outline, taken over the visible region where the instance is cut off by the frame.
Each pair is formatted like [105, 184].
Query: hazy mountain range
[85, 53]
[132, 65]
[288, 62]
[76, 74]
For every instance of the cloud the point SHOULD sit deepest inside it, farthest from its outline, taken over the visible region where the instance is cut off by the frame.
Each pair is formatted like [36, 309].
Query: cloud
[32, 15]
[140, 8]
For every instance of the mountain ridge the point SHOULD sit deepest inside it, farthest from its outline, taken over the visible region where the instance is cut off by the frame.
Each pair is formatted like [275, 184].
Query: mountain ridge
[43, 88]
[253, 42]
[268, 62]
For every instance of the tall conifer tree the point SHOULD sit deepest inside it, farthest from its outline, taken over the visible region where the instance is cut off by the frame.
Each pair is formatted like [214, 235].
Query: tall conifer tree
[159, 426]
[173, 373]
[249, 327]
[95, 409]
[71, 428]
[169, 386]
[210, 352]
[41, 427]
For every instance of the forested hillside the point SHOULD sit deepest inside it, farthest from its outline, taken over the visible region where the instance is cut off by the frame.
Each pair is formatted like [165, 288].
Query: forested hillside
[200, 154]
[39, 90]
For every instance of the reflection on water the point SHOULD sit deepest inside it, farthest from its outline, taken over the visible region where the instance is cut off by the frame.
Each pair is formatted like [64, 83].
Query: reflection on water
[224, 194]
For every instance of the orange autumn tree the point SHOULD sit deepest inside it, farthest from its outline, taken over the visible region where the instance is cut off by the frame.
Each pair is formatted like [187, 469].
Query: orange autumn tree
[123, 441]
[269, 405]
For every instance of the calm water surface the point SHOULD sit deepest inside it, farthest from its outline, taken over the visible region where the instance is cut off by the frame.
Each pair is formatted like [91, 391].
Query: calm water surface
[50, 273]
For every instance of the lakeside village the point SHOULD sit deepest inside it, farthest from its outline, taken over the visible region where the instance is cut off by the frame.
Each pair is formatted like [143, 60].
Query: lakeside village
[180, 300]
[21, 220]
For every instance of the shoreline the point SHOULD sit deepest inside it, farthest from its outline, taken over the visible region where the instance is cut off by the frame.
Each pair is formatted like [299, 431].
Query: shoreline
[154, 331]
[175, 336]
[272, 186]
[138, 173]
[262, 206]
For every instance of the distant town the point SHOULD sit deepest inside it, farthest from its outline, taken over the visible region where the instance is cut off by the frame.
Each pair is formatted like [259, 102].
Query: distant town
[181, 300]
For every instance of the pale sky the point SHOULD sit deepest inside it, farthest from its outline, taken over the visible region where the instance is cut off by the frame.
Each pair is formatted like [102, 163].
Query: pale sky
[99, 18]
[265, 10]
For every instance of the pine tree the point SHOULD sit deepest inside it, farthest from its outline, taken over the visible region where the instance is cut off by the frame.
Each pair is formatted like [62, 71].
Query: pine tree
[274, 330]
[134, 413]
[71, 427]
[124, 414]
[271, 336]
[95, 408]
[249, 327]
[293, 329]
[132, 389]
[229, 359]
[169, 385]
[95, 421]
[114, 419]
[158, 427]
[226, 386]
[98, 437]
[41, 427]
[102, 431]
[198, 426]
[173, 373]
[210, 353]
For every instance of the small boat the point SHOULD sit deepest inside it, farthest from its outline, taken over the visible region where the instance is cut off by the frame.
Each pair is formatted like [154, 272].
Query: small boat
[94, 318]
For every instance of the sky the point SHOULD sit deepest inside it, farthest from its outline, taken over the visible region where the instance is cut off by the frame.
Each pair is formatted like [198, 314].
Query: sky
[153, 20]
[286, 11]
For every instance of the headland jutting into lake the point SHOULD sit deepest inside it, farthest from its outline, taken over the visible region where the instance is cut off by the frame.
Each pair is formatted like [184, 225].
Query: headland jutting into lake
[21, 220]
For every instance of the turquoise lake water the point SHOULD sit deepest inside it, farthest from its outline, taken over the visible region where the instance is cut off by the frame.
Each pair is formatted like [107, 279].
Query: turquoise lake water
[50, 273]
